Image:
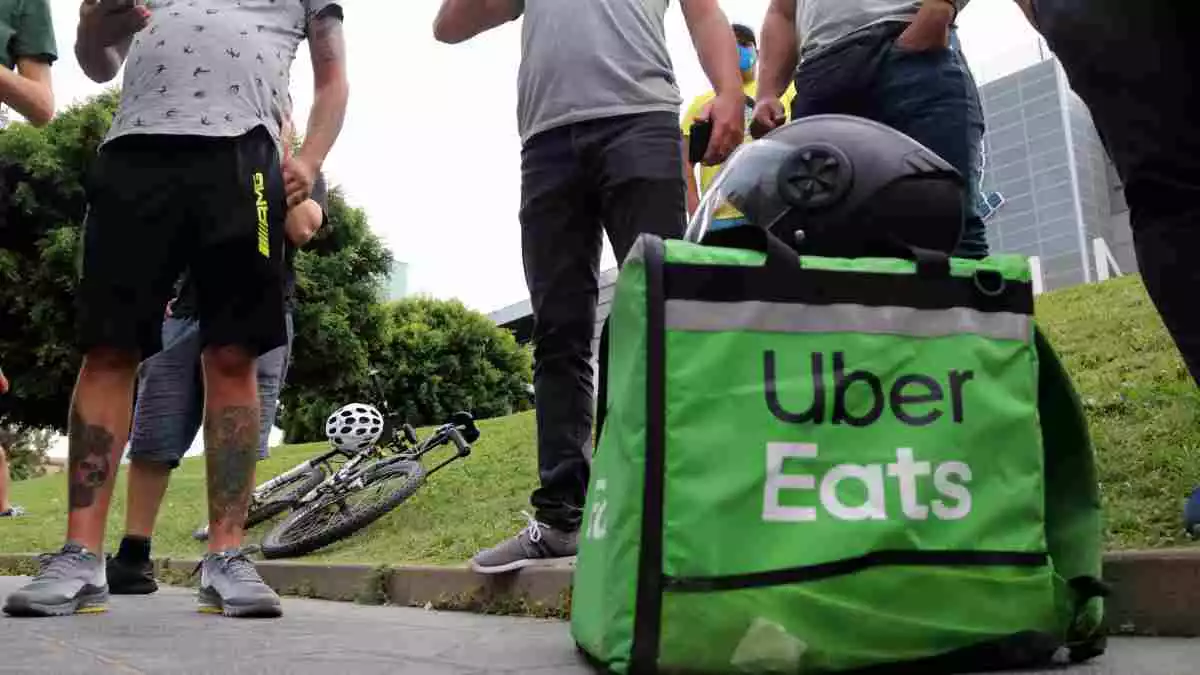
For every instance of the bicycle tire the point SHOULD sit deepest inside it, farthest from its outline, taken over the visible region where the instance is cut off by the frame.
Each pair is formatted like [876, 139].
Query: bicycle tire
[276, 543]
[278, 500]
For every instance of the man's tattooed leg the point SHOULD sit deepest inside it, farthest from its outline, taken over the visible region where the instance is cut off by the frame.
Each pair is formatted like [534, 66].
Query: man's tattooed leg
[231, 449]
[90, 460]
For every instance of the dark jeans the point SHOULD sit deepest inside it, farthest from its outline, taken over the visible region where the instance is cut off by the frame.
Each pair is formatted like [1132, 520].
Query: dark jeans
[1132, 63]
[622, 176]
[931, 96]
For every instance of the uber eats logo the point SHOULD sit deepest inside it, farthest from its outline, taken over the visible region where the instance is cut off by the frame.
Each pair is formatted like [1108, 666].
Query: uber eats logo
[857, 492]
[949, 480]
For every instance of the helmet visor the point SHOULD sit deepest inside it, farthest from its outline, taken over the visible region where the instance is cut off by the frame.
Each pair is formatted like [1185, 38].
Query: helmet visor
[746, 185]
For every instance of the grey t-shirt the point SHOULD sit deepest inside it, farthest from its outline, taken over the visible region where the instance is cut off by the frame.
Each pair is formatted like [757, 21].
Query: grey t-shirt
[213, 67]
[820, 23]
[589, 59]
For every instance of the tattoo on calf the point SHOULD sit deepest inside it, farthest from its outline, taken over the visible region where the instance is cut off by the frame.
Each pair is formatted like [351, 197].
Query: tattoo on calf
[89, 460]
[231, 449]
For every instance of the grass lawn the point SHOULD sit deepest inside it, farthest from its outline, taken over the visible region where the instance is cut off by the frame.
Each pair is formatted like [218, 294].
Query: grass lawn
[1142, 405]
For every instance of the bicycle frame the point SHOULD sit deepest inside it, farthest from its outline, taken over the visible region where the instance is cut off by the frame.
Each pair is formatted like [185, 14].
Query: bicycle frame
[296, 470]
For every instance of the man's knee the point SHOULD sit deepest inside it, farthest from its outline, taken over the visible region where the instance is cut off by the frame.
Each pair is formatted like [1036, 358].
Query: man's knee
[109, 361]
[229, 364]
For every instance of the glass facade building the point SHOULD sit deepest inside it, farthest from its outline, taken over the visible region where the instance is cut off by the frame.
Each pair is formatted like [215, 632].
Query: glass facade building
[1047, 170]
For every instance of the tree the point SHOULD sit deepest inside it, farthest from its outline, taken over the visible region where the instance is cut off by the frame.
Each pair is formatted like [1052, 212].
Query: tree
[441, 357]
[42, 203]
[26, 450]
[338, 320]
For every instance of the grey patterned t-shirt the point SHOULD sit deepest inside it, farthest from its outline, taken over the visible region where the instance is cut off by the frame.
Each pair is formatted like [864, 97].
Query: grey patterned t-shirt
[212, 67]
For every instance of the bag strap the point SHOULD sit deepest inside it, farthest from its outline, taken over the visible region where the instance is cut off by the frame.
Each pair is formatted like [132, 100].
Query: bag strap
[1074, 531]
[602, 389]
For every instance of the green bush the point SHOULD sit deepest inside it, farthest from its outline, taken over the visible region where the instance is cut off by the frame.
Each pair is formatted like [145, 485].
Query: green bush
[26, 450]
[441, 357]
[435, 357]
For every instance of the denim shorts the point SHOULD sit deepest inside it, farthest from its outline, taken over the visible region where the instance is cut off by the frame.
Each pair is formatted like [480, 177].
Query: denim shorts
[170, 394]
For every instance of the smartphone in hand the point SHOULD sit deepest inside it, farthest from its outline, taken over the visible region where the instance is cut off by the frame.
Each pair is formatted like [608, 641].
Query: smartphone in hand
[698, 140]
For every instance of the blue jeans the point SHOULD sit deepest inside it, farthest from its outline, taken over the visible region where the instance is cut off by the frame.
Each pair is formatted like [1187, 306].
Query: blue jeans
[170, 394]
[930, 96]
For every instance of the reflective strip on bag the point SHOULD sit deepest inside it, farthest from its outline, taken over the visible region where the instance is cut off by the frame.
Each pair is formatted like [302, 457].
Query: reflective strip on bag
[772, 317]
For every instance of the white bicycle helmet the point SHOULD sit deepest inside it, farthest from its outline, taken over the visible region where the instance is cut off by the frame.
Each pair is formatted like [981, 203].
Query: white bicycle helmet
[354, 427]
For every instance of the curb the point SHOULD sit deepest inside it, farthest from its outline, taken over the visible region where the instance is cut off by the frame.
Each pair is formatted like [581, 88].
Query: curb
[540, 591]
[1154, 593]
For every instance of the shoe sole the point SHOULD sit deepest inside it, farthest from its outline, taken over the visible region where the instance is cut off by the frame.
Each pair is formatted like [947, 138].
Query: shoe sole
[85, 603]
[517, 565]
[211, 603]
[134, 589]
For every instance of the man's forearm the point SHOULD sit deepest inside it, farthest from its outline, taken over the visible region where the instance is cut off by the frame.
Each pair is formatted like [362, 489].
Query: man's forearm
[461, 20]
[328, 48]
[100, 64]
[778, 54]
[32, 99]
[325, 120]
[715, 44]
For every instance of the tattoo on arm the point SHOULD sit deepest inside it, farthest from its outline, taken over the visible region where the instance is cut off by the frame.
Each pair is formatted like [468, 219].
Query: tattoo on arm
[326, 42]
[90, 460]
[231, 448]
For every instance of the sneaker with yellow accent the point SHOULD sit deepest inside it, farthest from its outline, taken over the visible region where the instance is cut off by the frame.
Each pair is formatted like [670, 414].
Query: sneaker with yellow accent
[71, 581]
[230, 585]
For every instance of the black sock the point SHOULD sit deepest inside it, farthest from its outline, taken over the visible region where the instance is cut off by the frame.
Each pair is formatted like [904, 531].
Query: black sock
[134, 549]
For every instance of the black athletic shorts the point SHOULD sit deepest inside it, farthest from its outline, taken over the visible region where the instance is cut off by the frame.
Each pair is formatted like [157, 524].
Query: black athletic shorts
[160, 204]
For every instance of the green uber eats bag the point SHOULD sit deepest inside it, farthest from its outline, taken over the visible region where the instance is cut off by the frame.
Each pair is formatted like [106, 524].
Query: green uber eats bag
[833, 465]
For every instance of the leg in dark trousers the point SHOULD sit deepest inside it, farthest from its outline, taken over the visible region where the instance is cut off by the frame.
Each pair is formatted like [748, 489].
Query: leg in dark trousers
[626, 178]
[1131, 63]
[620, 175]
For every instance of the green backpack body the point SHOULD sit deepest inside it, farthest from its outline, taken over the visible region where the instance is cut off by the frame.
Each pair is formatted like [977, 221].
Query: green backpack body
[827, 465]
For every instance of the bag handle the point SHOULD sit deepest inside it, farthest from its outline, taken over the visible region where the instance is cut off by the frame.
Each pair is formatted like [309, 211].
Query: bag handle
[930, 263]
[779, 254]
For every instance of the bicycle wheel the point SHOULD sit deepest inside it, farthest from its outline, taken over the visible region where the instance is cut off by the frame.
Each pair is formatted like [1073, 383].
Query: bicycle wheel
[278, 499]
[338, 515]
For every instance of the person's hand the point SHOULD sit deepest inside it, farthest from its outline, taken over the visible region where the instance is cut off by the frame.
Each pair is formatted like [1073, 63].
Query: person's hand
[298, 178]
[768, 115]
[728, 126]
[109, 22]
[930, 29]
[169, 312]
[3, 383]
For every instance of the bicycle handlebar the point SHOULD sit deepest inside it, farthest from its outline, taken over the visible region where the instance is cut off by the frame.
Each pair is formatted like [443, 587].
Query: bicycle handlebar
[464, 448]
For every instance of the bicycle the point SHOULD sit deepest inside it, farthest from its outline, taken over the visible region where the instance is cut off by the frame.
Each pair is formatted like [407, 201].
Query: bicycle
[282, 492]
[300, 485]
[326, 514]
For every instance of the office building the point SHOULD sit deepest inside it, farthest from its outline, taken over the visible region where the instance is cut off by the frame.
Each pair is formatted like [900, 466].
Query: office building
[1051, 189]
[396, 286]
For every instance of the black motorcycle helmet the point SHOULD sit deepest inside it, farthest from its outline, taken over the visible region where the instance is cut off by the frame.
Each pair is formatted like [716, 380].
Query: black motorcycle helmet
[840, 186]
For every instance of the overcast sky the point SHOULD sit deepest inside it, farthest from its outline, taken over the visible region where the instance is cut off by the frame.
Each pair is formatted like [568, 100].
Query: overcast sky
[430, 146]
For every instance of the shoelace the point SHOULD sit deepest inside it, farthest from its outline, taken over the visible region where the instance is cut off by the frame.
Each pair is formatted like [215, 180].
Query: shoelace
[58, 565]
[236, 564]
[534, 528]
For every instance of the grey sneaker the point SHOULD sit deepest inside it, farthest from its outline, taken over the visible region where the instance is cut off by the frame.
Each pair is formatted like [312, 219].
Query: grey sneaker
[71, 582]
[230, 585]
[12, 512]
[537, 544]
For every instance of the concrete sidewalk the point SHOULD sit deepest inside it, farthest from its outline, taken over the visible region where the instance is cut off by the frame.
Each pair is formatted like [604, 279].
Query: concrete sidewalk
[163, 634]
